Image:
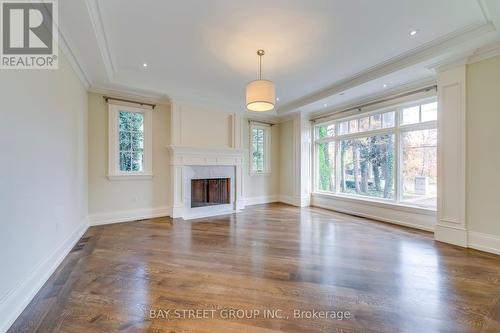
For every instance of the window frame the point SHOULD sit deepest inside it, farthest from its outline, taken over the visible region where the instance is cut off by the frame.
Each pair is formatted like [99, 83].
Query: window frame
[114, 172]
[398, 129]
[267, 148]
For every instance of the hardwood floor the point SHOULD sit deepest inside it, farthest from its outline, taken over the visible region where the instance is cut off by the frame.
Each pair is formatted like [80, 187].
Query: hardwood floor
[124, 277]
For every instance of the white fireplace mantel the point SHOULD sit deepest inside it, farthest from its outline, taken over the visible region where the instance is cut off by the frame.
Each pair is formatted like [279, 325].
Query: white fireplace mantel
[182, 157]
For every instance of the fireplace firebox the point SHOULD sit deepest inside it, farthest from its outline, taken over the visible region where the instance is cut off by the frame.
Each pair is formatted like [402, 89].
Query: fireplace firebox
[210, 192]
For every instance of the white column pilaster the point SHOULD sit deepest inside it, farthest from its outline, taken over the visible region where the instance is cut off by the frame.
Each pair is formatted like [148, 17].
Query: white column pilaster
[451, 224]
[302, 160]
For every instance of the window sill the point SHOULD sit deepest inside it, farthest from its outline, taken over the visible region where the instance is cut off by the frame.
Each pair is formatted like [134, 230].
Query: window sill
[267, 173]
[130, 177]
[377, 203]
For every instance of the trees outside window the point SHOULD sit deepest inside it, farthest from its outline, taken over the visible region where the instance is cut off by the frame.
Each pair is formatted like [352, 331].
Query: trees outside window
[130, 142]
[367, 166]
[386, 155]
[260, 149]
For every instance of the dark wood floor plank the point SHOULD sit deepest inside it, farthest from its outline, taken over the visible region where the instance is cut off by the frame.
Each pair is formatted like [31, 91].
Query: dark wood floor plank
[391, 279]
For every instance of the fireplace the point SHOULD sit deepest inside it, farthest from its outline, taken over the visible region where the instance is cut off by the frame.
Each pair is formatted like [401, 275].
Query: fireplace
[197, 164]
[210, 192]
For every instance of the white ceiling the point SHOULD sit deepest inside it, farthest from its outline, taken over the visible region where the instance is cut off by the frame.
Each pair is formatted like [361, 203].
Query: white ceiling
[203, 52]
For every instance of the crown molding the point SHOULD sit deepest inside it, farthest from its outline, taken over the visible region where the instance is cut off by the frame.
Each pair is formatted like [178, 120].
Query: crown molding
[486, 52]
[420, 54]
[102, 41]
[415, 56]
[491, 11]
[142, 96]
[410, 86]
[73, 61]
[460, 59]
[64, 44]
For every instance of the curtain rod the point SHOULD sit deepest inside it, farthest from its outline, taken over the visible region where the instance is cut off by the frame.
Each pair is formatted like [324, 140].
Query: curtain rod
[260, 122]
[359, 107]
[107, 98]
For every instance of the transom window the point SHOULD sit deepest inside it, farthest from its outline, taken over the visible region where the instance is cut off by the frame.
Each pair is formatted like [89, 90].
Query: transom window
[387, 155]
[260, 146]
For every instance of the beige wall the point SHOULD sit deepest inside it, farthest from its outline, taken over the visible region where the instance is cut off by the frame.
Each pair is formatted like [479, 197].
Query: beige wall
[483, 150]
[111, 197]
[260, 186]
[204, 128]
[286, 158]
[43, 187]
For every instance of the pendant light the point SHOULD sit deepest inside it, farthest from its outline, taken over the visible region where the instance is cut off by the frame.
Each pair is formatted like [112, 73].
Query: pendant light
[260, 94]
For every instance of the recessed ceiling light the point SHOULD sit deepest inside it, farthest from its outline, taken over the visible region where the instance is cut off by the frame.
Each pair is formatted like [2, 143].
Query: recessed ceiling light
[325, 105]
[145, 65]
[413, 32]
[277, 99]
[384, 85]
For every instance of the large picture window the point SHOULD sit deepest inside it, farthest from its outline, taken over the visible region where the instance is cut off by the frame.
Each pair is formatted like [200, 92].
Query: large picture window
[387, 155]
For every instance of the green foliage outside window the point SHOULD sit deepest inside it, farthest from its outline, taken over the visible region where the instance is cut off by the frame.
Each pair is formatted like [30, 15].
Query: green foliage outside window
[131, 141]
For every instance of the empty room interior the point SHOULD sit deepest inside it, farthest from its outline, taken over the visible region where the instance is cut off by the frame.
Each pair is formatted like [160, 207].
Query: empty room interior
[250, 166]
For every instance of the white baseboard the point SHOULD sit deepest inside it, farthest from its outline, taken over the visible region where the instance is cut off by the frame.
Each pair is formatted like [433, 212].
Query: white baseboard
[288, 199]
[16, 300]
[297, 201]
[450, 235]
[373, 211]
[129, 215]
[249, 201]
[484, 242]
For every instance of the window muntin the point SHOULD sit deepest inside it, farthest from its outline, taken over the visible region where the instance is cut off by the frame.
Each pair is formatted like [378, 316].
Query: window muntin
[131, 141]
[377, 139]
[260, 138]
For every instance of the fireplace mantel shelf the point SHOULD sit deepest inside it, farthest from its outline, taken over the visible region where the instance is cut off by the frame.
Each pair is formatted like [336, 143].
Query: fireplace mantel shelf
[183, 155]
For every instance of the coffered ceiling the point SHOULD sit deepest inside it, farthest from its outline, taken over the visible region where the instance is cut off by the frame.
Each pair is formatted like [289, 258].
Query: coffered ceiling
[320, 53]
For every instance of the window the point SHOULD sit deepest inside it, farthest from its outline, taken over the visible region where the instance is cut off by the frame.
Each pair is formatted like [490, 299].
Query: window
[385, 155]
[260, 146]
[326, 173]
[419, 185]
[367, 166]
[129, 142]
